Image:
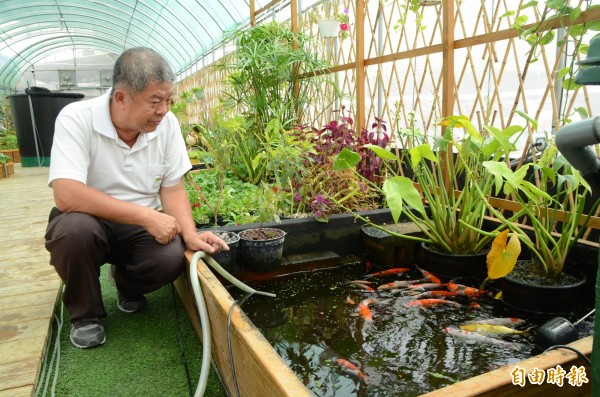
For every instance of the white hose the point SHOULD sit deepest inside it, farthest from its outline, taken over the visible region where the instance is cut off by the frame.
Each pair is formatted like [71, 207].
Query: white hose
[204, 322]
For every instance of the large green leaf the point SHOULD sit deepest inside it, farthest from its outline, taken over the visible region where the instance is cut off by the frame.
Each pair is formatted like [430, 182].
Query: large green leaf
[345, 160]
[381, 152]
[399, 190]
[418, 153]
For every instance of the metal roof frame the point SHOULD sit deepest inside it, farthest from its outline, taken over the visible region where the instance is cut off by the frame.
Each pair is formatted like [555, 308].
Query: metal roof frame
[181, 30]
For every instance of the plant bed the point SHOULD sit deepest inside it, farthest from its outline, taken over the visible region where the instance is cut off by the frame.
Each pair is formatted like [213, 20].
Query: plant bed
[12, 153]
[7, 169]
[261, 371]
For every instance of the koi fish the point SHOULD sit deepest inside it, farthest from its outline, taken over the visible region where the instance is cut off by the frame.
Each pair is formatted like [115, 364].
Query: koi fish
[351, 368]
[365, 282]
[474, 336]
[389, 272]
[365, 287]
[349, 300]
[399, 284]
[489, 329]
[464, 290]
[431, 302]
[363, 309]
[425, 286]
[507, 321]
[431, 277]
[434, 294]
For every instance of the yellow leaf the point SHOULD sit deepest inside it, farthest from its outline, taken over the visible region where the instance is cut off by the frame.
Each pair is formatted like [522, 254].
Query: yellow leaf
[503, 256]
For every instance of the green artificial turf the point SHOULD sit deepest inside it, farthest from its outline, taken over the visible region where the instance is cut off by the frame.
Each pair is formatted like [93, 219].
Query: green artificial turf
[141, 356]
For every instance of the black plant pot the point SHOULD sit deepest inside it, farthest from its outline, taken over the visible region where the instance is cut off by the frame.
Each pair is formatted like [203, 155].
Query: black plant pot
[261, 255]
[227, 258]
[455, 265]
[543, 298]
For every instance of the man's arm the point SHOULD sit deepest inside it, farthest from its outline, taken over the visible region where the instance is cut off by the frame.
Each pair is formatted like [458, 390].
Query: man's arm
[73, 196]
[176, 203]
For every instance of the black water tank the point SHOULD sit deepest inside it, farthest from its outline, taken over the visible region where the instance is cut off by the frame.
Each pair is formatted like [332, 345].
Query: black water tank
[35, 146]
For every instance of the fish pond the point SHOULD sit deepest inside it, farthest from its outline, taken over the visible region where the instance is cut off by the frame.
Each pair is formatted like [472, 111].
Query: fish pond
[343, 334]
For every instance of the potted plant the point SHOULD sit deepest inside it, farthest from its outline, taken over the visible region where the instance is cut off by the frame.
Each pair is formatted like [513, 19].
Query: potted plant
[331, 22]
[261, 248]
[553, 196]
[227, 259]
[451, 224]
[198, 92]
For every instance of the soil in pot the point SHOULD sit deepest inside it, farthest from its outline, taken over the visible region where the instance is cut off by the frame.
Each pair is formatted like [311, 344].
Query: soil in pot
[261, 249]
[526, 289]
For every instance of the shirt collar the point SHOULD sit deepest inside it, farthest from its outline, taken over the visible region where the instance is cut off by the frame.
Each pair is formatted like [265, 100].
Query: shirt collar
[102, 122]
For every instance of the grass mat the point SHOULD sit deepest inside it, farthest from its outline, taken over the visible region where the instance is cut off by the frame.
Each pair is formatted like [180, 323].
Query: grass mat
[141, 356]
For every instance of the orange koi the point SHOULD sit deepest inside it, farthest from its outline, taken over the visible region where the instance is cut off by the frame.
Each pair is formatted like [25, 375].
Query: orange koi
[431, 277]
[433, 294]
[363, 309]
[389, 272]
[430, 302]
[352, 369]
[464, 290]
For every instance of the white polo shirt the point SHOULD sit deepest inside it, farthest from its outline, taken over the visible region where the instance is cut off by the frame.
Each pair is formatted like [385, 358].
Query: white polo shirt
[86, 148]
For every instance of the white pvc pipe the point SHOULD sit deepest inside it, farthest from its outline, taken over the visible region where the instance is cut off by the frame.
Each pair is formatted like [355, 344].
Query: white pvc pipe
[204, 322]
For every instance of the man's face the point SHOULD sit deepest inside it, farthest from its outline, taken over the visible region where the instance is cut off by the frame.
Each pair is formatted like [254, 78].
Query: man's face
[146, 109]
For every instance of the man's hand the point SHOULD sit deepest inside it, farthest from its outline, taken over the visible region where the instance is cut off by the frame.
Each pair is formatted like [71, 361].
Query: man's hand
[207, 242]
[163, 227]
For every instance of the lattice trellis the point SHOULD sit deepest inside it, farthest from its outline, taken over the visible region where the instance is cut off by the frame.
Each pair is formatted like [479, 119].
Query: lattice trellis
[403, 60]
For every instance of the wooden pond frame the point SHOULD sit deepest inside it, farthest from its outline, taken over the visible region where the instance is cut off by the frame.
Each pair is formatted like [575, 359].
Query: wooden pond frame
[259, 369]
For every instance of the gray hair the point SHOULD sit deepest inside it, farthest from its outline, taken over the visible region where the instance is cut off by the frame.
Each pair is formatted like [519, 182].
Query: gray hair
[137, 67]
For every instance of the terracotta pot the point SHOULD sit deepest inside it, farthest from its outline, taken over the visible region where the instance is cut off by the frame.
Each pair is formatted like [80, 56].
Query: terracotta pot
[455, 265]
[543, 298]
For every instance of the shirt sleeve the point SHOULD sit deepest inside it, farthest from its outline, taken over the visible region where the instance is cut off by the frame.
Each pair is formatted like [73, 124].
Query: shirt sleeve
[70, 157]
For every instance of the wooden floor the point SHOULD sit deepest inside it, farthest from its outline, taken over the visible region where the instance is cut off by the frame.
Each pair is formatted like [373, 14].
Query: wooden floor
[28, 284]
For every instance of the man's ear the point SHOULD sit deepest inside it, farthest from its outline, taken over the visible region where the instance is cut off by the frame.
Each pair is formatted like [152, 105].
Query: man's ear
[119, 97]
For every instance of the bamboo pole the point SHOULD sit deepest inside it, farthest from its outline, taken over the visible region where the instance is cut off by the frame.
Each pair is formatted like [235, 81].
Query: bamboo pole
[360, 65]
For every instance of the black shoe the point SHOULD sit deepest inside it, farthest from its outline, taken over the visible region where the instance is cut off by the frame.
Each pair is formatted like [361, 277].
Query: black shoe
[87, 333]
[130, 306]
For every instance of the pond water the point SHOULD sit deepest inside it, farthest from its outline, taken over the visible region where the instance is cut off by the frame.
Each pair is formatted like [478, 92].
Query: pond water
[402, 351]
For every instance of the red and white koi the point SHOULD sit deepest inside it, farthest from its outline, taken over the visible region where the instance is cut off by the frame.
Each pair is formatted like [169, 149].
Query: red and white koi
[464, 290]
[399, 284]
[363, 309]
[474, 336]
[425, 286]
[431, 302]
[389, 272]
[365, 287]
[364, 282]
[351, 369]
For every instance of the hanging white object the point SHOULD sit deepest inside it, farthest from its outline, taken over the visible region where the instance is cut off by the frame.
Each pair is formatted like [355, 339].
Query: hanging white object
[328, 27]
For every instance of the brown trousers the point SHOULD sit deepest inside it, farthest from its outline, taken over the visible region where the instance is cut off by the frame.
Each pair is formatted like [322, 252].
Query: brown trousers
[79, 244]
